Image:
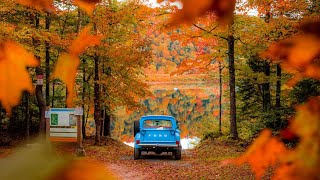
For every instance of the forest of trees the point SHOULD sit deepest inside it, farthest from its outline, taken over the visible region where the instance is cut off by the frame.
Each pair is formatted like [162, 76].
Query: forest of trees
[98, 55]
[111, 75]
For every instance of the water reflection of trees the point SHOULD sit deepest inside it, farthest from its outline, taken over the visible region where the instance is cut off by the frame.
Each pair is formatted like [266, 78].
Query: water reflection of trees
[189, 107]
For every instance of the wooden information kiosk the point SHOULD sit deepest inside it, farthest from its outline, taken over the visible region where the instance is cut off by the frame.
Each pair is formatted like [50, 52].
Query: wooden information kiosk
[64, 125]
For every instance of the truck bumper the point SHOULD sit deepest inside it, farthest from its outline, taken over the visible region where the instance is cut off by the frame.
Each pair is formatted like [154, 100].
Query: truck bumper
[159, 145]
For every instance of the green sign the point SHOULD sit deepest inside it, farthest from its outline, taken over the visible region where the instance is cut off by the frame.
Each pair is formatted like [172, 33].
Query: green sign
[54, 120]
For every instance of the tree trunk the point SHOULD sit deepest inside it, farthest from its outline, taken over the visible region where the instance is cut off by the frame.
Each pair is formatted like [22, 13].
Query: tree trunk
[27, 116]
[220, 97]
[41, 103]
[232, 85]
[278, 94]
[266, 89]
[53, 94]
[106, 124]
[66, 105]
[83, 97]
[47, 46]
[107, 112]
[97, 106]
[39, 88]
[278, 89]
[266, 86]
[84, 81]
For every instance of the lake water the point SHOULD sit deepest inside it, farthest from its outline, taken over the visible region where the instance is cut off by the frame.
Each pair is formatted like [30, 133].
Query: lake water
[187, 143]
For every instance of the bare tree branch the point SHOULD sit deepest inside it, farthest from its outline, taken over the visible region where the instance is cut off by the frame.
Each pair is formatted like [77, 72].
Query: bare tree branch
[210, 32]
[241, 41]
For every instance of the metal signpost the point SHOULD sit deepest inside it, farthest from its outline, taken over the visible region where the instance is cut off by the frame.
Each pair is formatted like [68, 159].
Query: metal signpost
[64, 125]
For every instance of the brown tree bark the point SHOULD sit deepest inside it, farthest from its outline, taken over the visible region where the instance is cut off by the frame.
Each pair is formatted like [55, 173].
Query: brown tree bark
[41, 103]
[220, 96]
[278, 93]
[27, 115]
[47, 47]
[278, 89]
[84, 81]
[97, 104]
[266, 86]
[106, 124]
[266, 89]
[232, 86]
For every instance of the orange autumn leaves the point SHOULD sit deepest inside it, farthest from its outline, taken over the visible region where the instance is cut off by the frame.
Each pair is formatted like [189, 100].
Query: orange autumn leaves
[14, 77]
[223, 9]
[263, 153]
[68, 63]
[87, 5]
[82, 170]
[299, 54]
[14, 59]
[301, 162]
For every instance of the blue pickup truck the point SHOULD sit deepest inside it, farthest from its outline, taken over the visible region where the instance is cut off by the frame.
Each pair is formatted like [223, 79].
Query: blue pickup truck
[157, 133]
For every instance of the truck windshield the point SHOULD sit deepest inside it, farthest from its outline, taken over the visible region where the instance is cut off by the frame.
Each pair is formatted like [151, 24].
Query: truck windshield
[157, 123]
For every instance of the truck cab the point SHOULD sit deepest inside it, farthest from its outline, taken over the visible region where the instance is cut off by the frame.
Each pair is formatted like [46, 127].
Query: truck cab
[157, 133]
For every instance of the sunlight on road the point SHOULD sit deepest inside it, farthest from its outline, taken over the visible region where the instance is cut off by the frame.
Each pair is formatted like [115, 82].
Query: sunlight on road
[187, 143]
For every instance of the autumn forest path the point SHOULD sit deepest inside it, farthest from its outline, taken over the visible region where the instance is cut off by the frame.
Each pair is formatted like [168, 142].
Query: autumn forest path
[203, 162]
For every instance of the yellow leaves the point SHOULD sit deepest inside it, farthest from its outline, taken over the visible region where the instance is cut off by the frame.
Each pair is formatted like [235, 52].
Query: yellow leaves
[14, 77]
[67, 65]
[87, 5]
[264, 152]
[191, 10]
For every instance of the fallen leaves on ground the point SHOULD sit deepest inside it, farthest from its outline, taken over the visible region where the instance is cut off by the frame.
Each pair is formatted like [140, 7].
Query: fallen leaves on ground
[202, 162]
[14, 77]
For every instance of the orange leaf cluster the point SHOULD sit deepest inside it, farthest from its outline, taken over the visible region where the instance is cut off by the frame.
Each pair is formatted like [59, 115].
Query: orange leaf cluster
[301, 162]
[304, 161]
[193, 9]
[68, 63]
[87, 5]
[14, 77]
[83, 170]
[300, 54]
[263, 153]
[38, 4]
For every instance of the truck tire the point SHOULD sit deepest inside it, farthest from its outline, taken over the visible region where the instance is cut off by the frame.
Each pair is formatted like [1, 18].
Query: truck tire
[137, 153]
[136, 127]
[177, 154]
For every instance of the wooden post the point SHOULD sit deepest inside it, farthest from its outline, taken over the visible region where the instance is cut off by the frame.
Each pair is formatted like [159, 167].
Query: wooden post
[47, 125]
[80, 150]
[47, 135]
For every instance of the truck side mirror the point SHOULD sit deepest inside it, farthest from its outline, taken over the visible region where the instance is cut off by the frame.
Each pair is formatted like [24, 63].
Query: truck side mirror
[178, 124]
